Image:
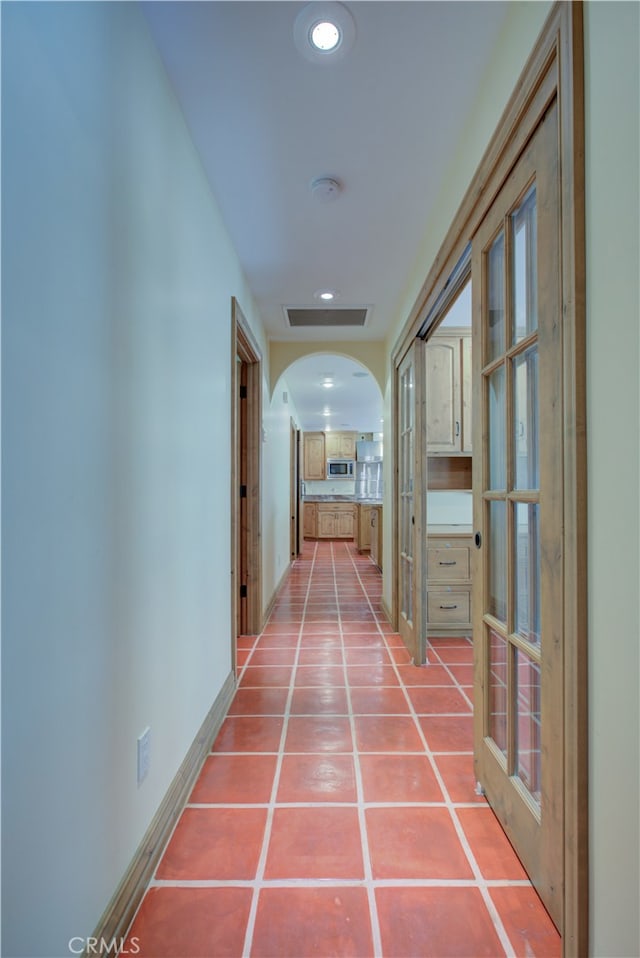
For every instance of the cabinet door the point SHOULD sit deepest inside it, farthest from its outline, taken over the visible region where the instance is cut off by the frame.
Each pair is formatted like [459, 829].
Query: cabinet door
[332, 442]
[364, 528]
[467, 425]
[314, 456]
[309, 525]
[326, 525]
[348, 445]
[376, 532]
[344, 525]
[444, 426]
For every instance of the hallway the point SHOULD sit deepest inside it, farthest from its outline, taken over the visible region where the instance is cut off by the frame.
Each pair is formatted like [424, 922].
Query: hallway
[336, 814]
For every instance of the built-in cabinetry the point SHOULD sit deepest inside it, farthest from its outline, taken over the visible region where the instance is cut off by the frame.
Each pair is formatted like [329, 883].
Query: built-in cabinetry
[320, 446]
[448, 393]
[448, 581]
[340, 445]
[363, 526]
[376, 535]
[309, 520]
[329, 520]
[314, 465]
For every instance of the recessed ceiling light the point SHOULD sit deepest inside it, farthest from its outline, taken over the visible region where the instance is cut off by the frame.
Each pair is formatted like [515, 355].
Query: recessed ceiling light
[328, 385]
[325, 36]
[324, 31]
[326, 295]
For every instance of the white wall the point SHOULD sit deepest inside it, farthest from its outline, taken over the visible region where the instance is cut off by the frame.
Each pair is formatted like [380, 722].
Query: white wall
[117, 277]
[276, 486]
[612, 51]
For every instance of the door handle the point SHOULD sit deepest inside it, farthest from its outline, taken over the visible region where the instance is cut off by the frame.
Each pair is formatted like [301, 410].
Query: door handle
[478, 540]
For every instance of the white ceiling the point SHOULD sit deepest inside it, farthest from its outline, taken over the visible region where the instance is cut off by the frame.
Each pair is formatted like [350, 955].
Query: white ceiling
[383, 120]
[354, 401]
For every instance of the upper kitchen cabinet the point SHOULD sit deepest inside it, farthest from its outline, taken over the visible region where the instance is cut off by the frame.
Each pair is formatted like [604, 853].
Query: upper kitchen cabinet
[340, 445]
[314, 456]
[448, 393]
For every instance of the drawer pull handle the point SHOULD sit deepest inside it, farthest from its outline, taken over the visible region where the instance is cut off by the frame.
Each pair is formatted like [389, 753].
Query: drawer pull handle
[450, 562]
[448, 608]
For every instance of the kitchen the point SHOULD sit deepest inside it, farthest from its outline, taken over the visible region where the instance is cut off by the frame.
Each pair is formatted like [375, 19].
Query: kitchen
[341, 470]
[342, 488]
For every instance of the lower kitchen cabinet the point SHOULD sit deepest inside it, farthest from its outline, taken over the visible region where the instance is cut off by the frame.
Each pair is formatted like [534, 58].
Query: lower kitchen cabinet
[364, 527]
[376, 535]
[331, 520]
[449, 583]
[309, 520]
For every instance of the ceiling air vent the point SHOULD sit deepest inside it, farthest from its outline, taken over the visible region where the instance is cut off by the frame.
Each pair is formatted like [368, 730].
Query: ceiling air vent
[324, 317]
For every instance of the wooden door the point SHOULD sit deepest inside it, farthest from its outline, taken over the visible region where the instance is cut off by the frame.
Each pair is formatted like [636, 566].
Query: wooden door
[294, 494]
[518, 512]
[409, 593]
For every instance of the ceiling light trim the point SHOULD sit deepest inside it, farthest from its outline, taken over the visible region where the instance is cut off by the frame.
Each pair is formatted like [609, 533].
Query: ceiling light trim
[310, 17]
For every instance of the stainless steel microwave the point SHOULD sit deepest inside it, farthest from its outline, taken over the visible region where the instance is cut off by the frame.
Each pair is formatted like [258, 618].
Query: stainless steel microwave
[340, 468]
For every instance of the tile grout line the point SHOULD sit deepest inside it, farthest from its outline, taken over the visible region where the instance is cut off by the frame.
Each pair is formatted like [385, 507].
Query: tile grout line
[364, 836]
[262, 860]
[484, 891]
[480, 881]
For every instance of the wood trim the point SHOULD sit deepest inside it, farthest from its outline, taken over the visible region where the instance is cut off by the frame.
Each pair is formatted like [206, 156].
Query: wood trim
[385, 608]
[576, 875]
[244, 346]
[121, 910]
[555, 67]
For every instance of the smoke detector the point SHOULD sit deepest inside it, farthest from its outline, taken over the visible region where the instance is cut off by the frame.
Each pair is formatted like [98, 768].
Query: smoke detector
[326, 188]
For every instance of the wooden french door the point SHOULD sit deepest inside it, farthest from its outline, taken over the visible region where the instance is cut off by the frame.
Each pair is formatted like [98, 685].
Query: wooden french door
[409, 504]
[518, 511]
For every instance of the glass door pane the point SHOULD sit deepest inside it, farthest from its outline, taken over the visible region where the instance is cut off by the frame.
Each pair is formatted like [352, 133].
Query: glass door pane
[406, 441]
[518, 506]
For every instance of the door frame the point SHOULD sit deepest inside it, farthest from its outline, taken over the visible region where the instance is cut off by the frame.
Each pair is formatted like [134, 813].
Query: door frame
[245, 348]
[417, 638]
[554, 70]
[294, 495]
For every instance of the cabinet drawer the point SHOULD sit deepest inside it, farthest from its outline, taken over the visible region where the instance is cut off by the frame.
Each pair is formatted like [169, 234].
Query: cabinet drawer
[447, 564]
[448, 608]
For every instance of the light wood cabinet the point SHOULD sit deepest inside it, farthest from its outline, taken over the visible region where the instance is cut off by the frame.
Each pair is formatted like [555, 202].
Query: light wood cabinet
[314, 456]
[309, 520]
[449, 583]
[364, 526]
[329, 520]
[448, 393]
[376, 535]
[340, 445]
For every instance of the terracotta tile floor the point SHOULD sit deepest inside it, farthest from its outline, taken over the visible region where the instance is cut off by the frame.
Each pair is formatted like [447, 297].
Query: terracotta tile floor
[336, 814]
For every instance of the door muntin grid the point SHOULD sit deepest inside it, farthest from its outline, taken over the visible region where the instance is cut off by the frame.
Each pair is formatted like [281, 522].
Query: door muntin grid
[407, 454]
[511, 496]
